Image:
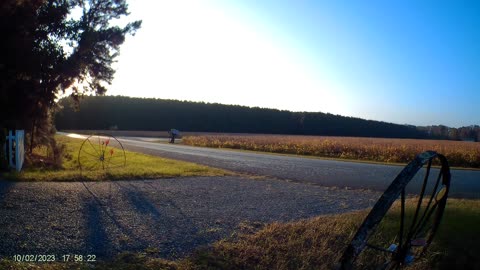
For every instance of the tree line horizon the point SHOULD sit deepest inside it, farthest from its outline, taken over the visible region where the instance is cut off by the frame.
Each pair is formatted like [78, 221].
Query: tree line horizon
[150, 114]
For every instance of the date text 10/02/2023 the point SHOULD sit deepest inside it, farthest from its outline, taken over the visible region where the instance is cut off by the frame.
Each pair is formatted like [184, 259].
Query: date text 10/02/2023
[54, 258]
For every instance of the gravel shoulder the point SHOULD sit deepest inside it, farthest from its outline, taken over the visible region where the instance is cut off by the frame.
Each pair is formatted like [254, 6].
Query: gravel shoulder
[171, 216]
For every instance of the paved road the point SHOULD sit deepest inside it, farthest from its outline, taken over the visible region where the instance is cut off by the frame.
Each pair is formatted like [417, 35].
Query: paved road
[465, 183]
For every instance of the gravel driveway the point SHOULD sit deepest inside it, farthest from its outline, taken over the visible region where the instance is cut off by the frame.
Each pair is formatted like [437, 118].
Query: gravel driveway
[173, 216]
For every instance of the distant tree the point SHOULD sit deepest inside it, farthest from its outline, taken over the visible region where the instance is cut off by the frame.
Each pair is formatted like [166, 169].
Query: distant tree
[453, 134]
[48, 46]
[467, 133]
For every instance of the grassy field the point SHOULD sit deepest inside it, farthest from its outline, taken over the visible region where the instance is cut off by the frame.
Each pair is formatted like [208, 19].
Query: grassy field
[459, 154]
[315, 243]
[138, 166]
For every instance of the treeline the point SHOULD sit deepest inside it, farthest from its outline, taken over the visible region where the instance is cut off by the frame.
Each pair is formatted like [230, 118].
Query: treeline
[469, 133]
[126, 113]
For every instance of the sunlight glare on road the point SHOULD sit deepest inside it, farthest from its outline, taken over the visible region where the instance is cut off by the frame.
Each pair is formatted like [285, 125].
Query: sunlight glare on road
[76, 136]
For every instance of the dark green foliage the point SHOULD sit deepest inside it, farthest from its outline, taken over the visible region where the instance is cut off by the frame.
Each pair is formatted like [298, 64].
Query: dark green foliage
[127, 113]
[45, 50]
[103, 112]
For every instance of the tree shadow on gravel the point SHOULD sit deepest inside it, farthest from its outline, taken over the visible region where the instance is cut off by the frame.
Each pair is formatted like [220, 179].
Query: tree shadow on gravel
[97, 239]
[106, 235]
[142, 204]
[178, 232]
[5, 187]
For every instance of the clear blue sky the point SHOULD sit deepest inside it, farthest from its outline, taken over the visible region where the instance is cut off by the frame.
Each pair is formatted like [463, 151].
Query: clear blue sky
[414, 62]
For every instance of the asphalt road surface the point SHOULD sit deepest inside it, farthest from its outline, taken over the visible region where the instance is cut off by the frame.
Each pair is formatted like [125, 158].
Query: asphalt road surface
[331, 173]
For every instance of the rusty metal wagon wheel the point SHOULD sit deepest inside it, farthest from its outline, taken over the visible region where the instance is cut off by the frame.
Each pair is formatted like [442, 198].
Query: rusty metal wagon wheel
[101, 152]
[391, 241]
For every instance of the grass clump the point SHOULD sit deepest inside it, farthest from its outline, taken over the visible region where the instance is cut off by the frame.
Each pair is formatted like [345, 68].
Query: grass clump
[308, 244]
[138, 166]
[318, 243]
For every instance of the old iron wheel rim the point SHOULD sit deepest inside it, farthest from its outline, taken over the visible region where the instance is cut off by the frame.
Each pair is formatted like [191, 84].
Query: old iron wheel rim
[101, 151]
[415, 237]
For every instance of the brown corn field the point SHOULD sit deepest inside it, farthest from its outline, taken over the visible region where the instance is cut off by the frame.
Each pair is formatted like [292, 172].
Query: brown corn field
[459, 154]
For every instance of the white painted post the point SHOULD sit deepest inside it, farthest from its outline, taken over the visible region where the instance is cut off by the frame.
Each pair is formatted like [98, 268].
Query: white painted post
[19, 149]
[15, 144]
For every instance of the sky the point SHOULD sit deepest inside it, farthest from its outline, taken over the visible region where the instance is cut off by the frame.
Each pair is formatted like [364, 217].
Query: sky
[406, 62]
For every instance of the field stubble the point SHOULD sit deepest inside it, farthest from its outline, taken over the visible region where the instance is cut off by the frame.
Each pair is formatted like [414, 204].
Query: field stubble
[459, 154]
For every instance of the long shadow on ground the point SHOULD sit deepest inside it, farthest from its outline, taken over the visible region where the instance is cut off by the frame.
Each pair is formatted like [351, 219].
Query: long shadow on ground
[169, 217]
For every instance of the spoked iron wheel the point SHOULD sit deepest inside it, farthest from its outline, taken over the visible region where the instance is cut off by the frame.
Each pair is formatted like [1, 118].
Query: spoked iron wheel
[101, 152]
[398, 230]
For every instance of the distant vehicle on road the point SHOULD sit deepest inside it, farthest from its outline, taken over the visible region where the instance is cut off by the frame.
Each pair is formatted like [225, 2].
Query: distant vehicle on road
[173, 133]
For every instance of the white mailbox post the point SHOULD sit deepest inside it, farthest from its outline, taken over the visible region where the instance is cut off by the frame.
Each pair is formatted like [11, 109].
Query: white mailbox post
[15, 149]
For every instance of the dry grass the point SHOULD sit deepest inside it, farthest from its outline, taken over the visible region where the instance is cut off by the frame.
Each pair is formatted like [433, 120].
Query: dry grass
[308, 244]
[318, 243]
[459, 154]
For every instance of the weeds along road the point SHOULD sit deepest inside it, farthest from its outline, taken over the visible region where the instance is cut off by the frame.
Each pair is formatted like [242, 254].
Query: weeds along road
[465, 183]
